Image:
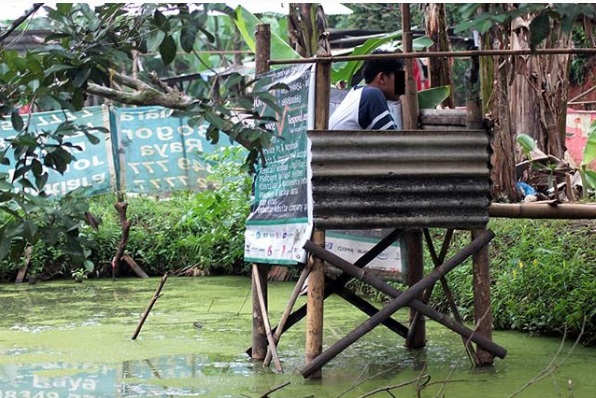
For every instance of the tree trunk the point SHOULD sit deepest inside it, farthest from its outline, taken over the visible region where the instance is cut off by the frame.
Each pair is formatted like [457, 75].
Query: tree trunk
[542, 85]
[497, 97]
[439, 68]
[524, 94]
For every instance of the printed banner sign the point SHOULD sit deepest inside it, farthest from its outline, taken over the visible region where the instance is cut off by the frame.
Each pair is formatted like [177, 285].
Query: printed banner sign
[281, 216]
[93, 165]
[160, 153]
[353, 244]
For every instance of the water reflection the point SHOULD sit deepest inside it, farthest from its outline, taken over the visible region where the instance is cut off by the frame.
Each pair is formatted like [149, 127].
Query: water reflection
[147, 377]
[60, 341]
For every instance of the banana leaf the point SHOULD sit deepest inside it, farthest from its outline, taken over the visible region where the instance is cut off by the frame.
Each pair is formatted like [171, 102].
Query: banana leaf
[345, 70]
[590, 149]
[432, 97]
[247, 24]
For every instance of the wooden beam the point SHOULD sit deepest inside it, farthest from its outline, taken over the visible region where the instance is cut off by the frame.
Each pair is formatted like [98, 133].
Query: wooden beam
[409, 298]
[288, 310]
[482, 304]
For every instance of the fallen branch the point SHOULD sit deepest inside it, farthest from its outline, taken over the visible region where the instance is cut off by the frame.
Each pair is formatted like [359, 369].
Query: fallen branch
[266, 395]
[126, 224]
[552, 366]
[156, 295]
[393, 387]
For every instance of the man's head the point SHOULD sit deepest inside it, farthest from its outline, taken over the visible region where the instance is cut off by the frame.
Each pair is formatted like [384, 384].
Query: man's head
[381, 73]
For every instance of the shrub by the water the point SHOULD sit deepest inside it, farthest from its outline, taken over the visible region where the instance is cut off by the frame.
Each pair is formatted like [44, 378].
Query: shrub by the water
[543, 277]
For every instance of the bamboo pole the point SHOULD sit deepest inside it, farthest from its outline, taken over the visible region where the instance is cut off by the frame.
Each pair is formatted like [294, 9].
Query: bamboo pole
[543, 211]
[288, 310]
[259, 334]
[156, 295]
[451, 54]
[272, 347]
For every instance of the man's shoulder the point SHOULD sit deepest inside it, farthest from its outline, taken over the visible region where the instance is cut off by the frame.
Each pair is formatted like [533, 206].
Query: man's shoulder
[373, 93]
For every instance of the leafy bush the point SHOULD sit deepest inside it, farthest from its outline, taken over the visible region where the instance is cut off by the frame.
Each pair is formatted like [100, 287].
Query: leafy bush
[203, 230]
[542, 276]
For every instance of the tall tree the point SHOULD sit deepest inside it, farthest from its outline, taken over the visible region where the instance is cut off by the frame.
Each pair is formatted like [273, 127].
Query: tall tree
[524, 94]
[85, 54]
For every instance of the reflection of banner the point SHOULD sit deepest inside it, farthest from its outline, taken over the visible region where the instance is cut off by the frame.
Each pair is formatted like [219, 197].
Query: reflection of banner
[281, 218]
[578, 129]
[93, 163]
[159, 152]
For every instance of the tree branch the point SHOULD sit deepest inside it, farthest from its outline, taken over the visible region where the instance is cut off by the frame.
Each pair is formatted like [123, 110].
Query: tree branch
[15, 24]
[143, 95]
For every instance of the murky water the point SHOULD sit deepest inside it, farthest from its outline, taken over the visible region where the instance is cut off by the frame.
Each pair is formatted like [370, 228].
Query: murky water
[67, 340]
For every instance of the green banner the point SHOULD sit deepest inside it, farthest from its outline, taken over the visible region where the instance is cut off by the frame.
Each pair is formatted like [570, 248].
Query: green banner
[281, 216]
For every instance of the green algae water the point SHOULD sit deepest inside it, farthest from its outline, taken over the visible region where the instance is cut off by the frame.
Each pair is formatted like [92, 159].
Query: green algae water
[67, 340]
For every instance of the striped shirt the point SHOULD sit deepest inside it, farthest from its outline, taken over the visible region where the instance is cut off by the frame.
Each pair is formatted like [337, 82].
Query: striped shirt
[364, 108]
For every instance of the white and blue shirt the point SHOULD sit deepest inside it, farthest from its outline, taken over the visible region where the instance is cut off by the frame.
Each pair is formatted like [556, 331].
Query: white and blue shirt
[364, 108]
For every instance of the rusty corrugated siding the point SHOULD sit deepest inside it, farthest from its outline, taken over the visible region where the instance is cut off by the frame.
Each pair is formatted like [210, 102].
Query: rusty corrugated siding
[400, 179]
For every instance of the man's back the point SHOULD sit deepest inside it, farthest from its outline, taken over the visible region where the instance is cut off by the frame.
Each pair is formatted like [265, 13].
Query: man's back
[364, 108]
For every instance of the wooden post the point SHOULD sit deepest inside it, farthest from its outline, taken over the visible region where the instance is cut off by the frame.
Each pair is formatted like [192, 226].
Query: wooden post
[417, 334]
[314, 306]
[474, 116]
[259, 334]
[316, 279]
[410, 105]
[482, 307]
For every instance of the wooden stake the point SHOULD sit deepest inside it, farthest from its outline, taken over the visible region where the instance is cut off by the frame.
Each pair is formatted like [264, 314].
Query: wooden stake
[256, 276]
[288, 310]
[156, 295]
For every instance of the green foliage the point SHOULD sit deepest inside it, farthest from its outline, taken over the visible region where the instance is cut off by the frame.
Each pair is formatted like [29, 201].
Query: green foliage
[344, 71]
[567, 14]
[247, 24]
[431, 98]
[527, 143]
[542, 281]
[204, 229]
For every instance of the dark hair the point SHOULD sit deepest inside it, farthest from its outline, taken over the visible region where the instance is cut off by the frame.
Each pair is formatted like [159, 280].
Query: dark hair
[373, 67]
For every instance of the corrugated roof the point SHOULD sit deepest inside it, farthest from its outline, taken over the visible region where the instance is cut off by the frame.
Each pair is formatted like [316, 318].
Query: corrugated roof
[400, 179]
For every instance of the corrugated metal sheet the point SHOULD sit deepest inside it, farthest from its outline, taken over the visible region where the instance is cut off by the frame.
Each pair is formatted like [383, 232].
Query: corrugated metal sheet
[400, 179]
